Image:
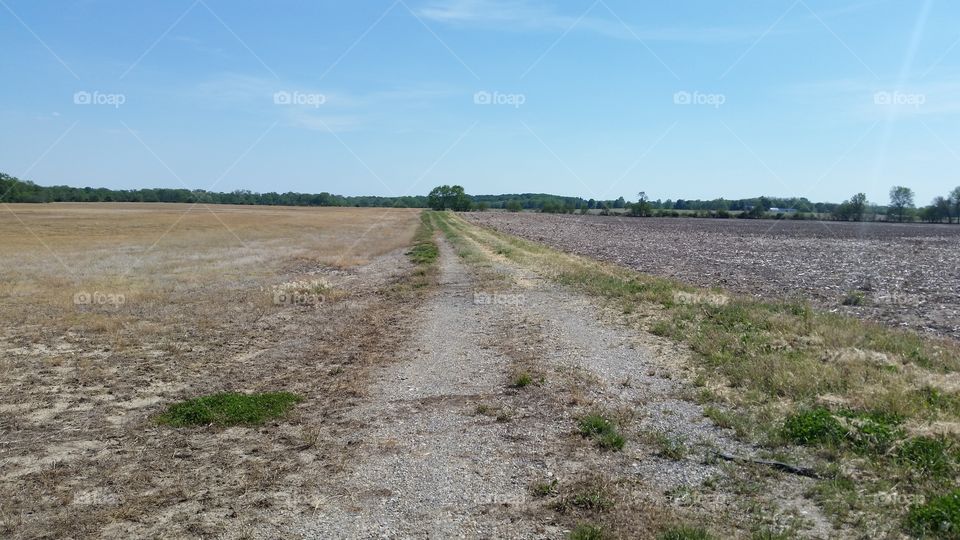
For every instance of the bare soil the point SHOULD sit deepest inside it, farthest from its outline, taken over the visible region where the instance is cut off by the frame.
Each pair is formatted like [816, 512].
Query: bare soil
[908, 274]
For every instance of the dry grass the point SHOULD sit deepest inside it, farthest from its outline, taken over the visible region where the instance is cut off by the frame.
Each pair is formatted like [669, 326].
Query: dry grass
[81, 453]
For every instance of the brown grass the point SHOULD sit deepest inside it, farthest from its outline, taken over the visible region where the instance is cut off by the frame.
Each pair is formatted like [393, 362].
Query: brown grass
[80, 451]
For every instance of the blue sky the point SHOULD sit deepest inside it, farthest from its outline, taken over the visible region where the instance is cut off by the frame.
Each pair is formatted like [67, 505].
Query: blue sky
[596, 98]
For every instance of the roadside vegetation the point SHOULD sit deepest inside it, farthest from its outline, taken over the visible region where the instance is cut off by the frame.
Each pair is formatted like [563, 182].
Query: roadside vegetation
[875, 409]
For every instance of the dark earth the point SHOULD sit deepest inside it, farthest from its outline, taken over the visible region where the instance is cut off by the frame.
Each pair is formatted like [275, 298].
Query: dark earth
[902, 275]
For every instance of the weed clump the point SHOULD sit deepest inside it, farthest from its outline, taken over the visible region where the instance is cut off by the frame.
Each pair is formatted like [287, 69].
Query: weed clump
[602, 431]
[927, 455]
[814, 426]
[522, 380]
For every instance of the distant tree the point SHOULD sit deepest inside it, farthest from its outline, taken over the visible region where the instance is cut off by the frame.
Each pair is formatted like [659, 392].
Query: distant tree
[514, 205]
[641, 208]
[449, 198]
[620, 203]
[901, 200]
[852, 209]
[858, 206]
[941, 209]
[955, 202]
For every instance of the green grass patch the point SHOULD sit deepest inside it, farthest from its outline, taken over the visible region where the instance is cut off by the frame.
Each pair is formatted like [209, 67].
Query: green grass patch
[229, 409]
[603, 431]
[586, 531]
[424, 251]
[937, 518]
[814, 426]
[928, 455]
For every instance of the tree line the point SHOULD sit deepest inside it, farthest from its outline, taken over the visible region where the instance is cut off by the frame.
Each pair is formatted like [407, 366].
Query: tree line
[14, 190]
[901, 207]
[943, 208]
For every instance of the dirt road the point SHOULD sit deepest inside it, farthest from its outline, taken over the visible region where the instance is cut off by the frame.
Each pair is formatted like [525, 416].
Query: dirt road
[474, 432]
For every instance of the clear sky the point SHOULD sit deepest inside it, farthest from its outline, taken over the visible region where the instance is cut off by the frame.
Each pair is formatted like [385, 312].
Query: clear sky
[596, 98]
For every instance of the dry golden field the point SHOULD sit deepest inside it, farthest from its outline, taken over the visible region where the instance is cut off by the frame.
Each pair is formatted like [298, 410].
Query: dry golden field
[112, 311]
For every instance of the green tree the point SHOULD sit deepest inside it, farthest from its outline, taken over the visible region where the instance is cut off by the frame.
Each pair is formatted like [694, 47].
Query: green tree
[858, 206]
[642, 207]
[955, 202]
[449, 198]
[901, 201]
[941, 209]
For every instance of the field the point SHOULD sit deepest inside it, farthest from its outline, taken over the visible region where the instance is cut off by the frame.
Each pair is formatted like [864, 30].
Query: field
[902, 275]
[257, 372]
[112, 311]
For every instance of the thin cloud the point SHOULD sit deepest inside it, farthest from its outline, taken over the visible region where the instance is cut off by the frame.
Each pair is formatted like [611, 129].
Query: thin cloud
[524, 15]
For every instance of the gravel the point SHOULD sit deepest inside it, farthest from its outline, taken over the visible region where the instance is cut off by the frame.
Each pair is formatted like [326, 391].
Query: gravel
[431, 466]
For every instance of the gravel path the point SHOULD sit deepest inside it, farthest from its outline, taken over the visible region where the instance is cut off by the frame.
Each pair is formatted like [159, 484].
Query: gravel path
[450, 449]
[432, 471]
